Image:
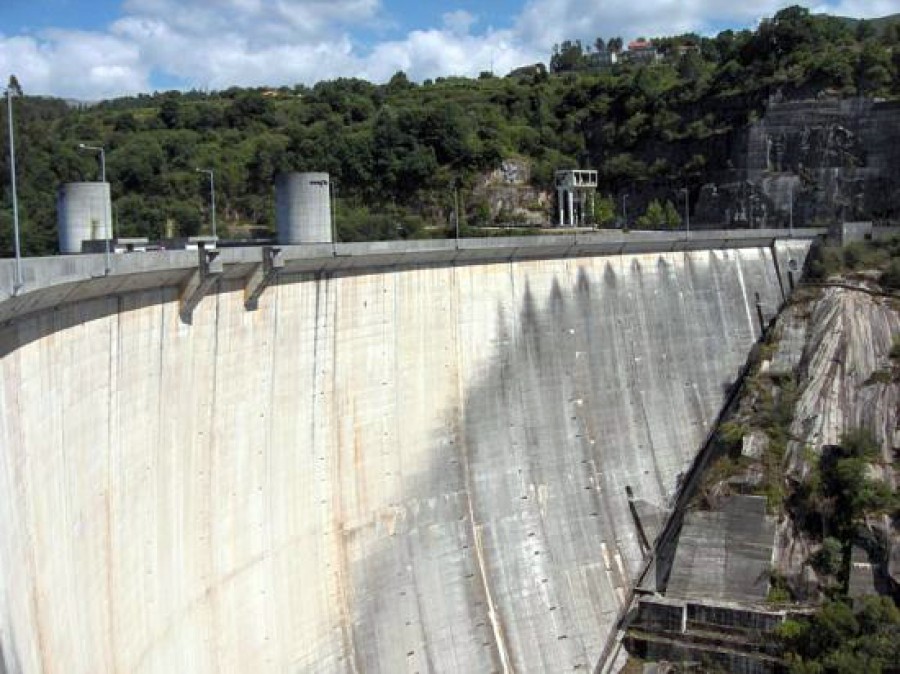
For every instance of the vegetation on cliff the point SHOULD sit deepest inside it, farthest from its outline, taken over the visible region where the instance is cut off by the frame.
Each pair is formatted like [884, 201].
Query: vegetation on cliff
[845, 639]
[398, 151]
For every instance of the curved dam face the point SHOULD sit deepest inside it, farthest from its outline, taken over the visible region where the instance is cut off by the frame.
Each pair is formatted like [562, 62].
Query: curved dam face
[418, 470]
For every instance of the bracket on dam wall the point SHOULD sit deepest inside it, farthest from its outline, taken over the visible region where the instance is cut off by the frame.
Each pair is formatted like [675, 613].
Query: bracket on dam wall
[209, 270]
[262, 276]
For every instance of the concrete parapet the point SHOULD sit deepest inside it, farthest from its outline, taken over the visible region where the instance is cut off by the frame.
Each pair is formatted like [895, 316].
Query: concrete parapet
[50, 281]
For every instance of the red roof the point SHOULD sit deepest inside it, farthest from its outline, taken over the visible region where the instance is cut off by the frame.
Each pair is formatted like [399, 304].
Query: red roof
[639, 44]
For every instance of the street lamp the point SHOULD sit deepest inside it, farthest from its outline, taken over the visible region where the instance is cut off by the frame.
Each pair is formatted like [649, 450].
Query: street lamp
[687, 210]
[456, 213]
[99, 149]
[212, 196]
[791, 212]
[334, 236]
[13, 89]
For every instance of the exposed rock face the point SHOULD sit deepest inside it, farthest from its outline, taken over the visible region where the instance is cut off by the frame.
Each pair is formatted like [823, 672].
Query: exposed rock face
[846, 379]
[848, 347]
[832, 159]
[509, 196]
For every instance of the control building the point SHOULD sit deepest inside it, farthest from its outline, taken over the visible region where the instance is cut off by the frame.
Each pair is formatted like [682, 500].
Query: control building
[575, 191]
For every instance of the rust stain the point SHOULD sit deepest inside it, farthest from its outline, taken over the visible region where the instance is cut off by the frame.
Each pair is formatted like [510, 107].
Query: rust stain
[341, 565]
[19, 466]
[359, 467]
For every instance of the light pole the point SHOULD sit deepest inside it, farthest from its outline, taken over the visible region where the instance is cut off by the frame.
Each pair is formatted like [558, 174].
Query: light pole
[456, 212]
[212, 196]
[13, 89]
[99, 149]
[624, 211]
[333, 214]
[687, 210]
[791, 211]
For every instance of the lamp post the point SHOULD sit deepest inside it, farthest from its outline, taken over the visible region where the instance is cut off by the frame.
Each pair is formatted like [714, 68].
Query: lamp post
[791, 211]
[333, 215]
[99, 149]
[624, 211]
[212, 196]
[687, 210]
[11, 90]
[456, 212]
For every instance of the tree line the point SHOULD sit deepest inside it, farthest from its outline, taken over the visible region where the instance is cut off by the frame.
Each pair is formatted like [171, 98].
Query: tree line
[399, 151]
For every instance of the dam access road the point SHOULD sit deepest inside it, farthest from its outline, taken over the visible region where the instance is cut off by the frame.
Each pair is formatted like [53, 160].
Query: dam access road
[361, 458]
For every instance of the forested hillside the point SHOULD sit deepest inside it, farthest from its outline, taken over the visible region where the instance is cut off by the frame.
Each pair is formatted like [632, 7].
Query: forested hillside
[397, 151]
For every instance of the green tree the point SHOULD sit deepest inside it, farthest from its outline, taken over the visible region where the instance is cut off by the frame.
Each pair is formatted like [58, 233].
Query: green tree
[672, 218]
[654, 216]
[567, 56]
[604, 211]
[873, 70]
[842, 639]
[170, 113]
[865, 31]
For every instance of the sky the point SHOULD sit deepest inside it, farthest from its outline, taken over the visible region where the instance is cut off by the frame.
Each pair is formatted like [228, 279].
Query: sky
[96, 49]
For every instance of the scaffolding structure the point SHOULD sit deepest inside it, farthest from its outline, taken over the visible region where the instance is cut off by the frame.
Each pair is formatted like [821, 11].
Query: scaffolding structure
[575, 190]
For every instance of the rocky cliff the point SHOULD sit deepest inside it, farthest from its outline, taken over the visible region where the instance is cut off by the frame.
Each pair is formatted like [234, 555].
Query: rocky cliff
[848, 380]
[798, 501]
[831, 159]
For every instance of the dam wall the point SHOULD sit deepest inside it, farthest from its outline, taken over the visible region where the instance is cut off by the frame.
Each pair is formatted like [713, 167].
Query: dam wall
[395, 463]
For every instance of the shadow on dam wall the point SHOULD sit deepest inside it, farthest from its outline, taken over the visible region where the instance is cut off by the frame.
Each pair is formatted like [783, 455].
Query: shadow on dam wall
[602, 382]
[424, 470]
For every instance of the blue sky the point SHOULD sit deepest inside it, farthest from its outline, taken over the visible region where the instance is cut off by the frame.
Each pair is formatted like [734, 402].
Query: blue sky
[103, 48]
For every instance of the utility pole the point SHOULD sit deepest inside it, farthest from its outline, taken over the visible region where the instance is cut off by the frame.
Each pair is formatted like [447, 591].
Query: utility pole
[624, 210]
[13, 89]
[687, 211]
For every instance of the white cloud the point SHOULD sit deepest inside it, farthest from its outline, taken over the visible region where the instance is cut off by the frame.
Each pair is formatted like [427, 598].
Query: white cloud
[867, 9]
[76, 64]
[546, 22]
[219, 43]
[459, 22]
[435, 53]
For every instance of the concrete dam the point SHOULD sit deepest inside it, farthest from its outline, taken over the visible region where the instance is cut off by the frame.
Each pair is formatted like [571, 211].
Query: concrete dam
[417, 457]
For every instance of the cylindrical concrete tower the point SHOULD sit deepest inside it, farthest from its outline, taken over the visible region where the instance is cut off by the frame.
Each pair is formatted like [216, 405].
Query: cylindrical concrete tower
[83, 212]
[303, 208]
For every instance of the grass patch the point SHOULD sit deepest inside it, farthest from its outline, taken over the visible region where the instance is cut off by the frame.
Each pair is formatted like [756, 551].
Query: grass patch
[895, 348]
[883, 376]
[824, 262]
